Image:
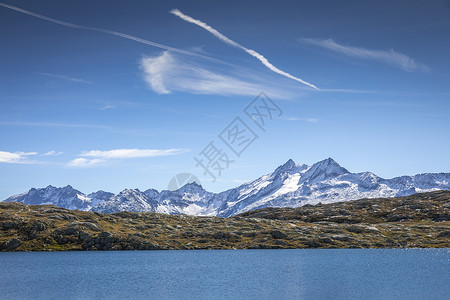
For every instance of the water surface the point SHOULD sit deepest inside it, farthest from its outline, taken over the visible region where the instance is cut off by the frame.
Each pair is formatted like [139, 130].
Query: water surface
[227, 274]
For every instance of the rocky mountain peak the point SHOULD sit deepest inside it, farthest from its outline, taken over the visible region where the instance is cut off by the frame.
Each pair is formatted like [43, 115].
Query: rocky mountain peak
[289, 167]
[192, 187]
[290, 185]
[323, 170]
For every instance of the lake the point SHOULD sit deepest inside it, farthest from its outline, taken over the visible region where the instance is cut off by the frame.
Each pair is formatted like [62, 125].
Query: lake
[227, 274]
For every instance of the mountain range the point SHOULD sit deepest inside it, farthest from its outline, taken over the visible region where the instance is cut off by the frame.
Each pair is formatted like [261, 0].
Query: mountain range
[290, 185]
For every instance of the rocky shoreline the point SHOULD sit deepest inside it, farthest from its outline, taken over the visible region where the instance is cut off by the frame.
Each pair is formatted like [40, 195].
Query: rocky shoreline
[416, 221]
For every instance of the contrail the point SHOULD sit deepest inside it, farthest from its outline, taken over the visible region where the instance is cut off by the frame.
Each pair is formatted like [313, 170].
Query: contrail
[119, 34]
[390, 57]
[253, 53]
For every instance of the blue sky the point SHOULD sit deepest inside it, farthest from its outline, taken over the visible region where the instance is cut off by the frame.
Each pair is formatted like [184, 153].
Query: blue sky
[95, 104]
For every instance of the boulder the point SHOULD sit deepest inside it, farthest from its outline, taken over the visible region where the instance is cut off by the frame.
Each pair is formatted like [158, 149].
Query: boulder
[277, 234]
[38, 226]
[444, 234]
[10, 225]
[10, 245]
[341, 237]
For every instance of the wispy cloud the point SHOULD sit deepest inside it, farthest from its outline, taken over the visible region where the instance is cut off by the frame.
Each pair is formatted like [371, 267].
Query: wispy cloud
[51, 124]
[63, 77]
[132, 153]
[52, 153]
[167, 72]
[108, 106]
[225, 39]
[74, 125]
[111, 32]
[386, 56]
[98, 157]
[309, 120]
[84, 162]
[116, 104]
[194, 53]
[16, 157]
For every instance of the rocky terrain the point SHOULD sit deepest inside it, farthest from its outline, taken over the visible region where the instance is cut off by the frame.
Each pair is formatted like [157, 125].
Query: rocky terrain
[419, 220]
[289, 185]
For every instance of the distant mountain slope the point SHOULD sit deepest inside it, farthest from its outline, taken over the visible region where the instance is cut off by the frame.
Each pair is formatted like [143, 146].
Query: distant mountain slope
[66, 197]
[290, 185]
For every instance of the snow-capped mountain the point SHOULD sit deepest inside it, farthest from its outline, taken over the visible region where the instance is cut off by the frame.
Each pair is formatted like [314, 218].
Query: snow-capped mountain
[290, 185]
[293, 185]
[190, 199]
[66, 197]
[99, 197]
[130, 200]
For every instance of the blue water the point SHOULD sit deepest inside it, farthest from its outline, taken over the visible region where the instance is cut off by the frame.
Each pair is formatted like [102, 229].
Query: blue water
[228, 274]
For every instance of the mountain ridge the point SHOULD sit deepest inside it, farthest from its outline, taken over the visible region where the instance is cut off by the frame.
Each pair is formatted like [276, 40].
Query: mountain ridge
[289, 185]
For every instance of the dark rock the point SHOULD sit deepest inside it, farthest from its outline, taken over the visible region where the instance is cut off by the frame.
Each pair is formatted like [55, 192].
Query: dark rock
[228, 236]
[32, 234]
[277, 234]
[38, 226]
[440, 217]
[59, 237]
[84, 225]
[355, 229]
[341, 237]
[345, 220]
[10, 245]
[444, 234]
[188, 234]
[219, 235]
[249, 234]
[105, 235]
[68, 217]
[326, 240]
[397, 218]
[10, 225]
[83, 236]
[71, 231]
[62, 217]
[312, 244]
[259, 246]
[104, 241]
[125, 215]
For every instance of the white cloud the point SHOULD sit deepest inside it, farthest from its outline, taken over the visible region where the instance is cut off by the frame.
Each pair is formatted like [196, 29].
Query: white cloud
[167, 72]
[52, 153]
[156, 69]
[15, 157]
[84, 162]
[132, 153]
[98, 157]
[389, 57]
[225, 39]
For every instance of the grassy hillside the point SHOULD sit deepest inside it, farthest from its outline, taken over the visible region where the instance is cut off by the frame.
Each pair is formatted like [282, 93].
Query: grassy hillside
[420, 220]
